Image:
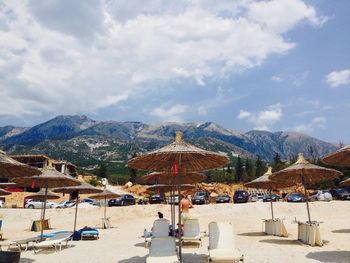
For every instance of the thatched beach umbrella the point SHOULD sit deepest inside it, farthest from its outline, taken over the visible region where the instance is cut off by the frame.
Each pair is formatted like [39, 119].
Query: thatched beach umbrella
[49, 178]
[4, 192]
[263, 182]
[10, 168]
[166, 178]
[345, 183]
[42, 196]
[340, 157]
[169, 188]
[106, 194]
[306, 173]
[83, 188]
[179, 158]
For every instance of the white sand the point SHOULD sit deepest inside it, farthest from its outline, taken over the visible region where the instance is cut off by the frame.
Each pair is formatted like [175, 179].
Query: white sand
[123, 243]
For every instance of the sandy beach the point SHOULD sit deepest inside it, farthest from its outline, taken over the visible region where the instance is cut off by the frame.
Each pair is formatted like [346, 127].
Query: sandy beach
[123, 243]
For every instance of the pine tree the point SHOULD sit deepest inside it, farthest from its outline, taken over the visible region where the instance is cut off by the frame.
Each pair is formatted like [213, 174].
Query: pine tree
[239, 170]
[259, 167]
[133, 172]
[248, 169]
[102, 171]
[277, 163]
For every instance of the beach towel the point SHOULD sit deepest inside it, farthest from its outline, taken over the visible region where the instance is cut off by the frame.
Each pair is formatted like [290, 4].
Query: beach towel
[86, 230]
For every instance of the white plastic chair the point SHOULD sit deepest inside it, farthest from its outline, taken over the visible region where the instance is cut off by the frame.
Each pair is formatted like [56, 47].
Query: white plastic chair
[192, 232]
[222, 247]
[160, 229]
[162, 250]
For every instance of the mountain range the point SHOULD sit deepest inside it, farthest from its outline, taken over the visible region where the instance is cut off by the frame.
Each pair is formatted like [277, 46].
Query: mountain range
[87, 142]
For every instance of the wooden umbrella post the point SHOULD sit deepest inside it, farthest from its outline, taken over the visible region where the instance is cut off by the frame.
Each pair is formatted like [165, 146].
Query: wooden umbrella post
[307, 201]
[43, 217]
[271, 204]
[76, 212]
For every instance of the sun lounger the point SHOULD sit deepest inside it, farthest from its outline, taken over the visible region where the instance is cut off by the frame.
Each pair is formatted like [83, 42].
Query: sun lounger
[222, 244]
[192, 232]
[162, 250]
[19, 244]
[91, 234]
[160, 229]
[310, 233]
[55, 242]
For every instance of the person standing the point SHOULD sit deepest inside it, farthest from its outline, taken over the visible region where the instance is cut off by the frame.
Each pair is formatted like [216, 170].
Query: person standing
[185, 205]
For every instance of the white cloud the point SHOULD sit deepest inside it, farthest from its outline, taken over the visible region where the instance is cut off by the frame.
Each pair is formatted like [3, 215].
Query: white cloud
[64, 57]
[277, 78]
[315, 123]
[172, 114]
[338, 78]
[263, 120]
[243, 114]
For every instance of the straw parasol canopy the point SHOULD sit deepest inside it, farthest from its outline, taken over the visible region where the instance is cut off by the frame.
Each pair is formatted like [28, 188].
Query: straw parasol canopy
[49, 178]
[41, 195]
[310, 172]
[168, 188]
[264, 182]
[84, 188]
[10, 168]
[306, 173]
[169, 178]
[345, 183]
[190, 158]
[4, 192]
[106, 194]
[340, 157]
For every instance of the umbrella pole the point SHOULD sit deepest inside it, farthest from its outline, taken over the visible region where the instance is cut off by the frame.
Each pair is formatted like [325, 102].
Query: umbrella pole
[307, 201]
[271, 204]
[104, 223]
[43, 217]
[76, 212]
[180, 226]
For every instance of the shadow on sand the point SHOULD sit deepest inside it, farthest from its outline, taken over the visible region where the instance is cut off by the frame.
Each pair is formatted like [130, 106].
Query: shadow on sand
[341, 231]
[282, 242]
[253, 234]
[26, 260]
[141, 244]
[330, 256]
[187, 257]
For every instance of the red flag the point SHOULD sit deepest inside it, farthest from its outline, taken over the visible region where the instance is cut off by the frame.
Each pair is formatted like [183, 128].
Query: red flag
[176, 168]
[33, 184]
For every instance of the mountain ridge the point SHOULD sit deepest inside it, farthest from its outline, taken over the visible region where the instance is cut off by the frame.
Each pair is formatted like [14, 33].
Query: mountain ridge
[87, 141]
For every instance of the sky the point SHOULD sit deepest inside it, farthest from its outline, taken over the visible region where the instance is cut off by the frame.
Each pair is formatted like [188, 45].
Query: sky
[276, 65]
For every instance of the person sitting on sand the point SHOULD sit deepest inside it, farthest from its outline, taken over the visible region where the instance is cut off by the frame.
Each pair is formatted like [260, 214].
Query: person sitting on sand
[185, 205]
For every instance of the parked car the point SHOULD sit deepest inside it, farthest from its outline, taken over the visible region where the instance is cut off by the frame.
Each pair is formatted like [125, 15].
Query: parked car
[200, 198]
[223, 199]
[241, 196]
[90, 201]
[156, 199]
[125, 199]
[253, 198]
[38, 204]
[296, 198]
[270, 197]
[340, 194]
[321, 195]
[65, 204]
[173, 199]
[2, 204]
